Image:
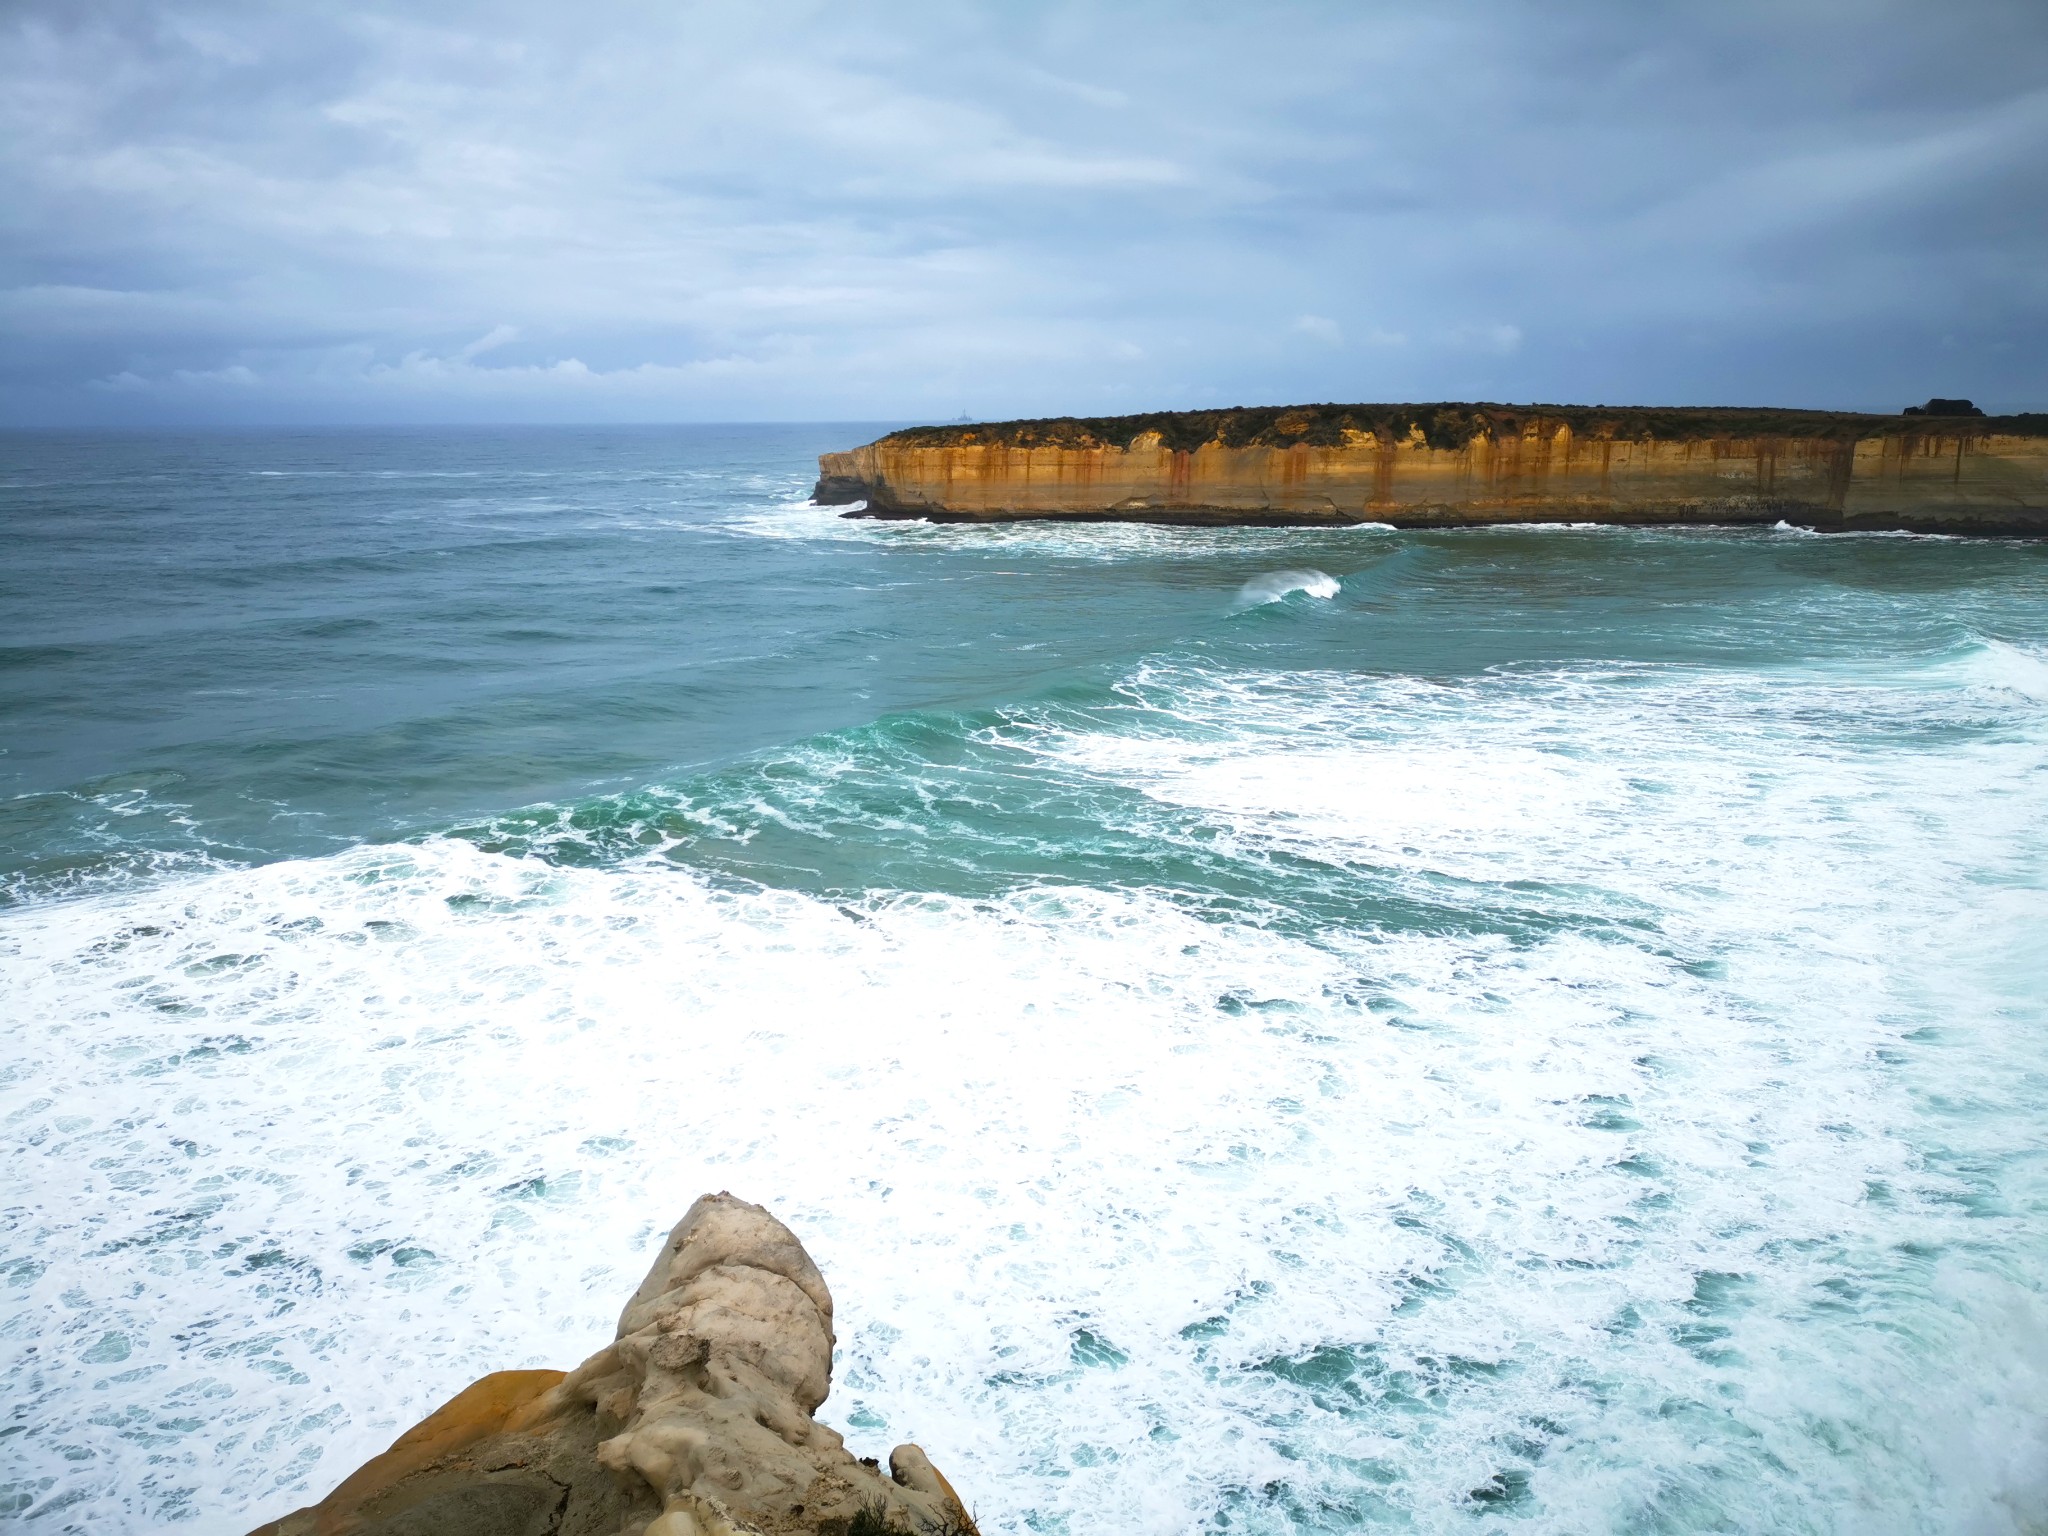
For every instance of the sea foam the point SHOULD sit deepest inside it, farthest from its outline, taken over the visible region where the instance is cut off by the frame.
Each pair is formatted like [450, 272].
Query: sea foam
[1637, 1145]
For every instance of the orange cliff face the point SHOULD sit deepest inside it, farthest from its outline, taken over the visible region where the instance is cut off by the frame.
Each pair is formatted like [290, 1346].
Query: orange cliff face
[1434, 466]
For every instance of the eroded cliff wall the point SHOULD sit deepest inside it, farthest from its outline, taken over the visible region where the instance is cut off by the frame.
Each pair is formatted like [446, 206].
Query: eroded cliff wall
[1449, 465]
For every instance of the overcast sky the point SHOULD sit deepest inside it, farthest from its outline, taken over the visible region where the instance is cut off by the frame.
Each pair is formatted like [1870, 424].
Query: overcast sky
[463, 210]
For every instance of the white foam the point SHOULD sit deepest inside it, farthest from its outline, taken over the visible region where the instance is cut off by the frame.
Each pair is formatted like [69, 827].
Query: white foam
[1533, 525]
[2001, 664]
[1105, 541]
[1275, 586]
[1650, 978]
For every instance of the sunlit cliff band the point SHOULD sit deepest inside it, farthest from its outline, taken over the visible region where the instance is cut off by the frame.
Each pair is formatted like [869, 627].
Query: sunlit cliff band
[1943, 468]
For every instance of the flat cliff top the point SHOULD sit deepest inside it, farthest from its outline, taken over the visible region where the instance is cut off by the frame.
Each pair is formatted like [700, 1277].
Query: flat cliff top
[1447, 425]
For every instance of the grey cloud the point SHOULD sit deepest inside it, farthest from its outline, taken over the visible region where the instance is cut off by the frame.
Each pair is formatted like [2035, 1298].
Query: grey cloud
[444, 210]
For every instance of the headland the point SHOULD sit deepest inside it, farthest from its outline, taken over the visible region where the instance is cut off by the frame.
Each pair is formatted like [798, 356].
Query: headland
[1940, 468]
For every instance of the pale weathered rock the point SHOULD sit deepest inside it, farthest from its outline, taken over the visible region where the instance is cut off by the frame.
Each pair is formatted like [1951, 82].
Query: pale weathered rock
[695, 1421]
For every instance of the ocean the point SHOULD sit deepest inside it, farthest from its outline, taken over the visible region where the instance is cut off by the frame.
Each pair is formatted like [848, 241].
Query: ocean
[1262, 1030]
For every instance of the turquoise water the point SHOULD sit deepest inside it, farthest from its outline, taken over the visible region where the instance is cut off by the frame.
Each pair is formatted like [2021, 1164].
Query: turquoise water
[1262, 1030]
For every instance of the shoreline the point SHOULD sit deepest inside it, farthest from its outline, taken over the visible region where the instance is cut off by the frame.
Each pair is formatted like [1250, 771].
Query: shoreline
[1801, 518]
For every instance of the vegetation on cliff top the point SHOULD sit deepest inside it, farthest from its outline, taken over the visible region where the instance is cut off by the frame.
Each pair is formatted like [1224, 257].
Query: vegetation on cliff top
[1449, 426]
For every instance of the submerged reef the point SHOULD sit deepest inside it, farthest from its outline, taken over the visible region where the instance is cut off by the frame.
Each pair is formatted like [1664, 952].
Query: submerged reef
[1942, 467]
[695, 1421]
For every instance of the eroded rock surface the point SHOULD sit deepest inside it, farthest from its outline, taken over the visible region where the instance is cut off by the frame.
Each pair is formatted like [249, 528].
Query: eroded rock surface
[695, 1421]
[1935, 470]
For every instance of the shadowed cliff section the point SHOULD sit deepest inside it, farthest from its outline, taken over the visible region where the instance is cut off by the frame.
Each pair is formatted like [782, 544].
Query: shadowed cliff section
[1452, 464]
[695, 1421]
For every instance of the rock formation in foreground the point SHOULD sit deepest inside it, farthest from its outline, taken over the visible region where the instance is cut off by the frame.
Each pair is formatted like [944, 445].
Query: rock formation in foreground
[1940, 468]
[695, 1421]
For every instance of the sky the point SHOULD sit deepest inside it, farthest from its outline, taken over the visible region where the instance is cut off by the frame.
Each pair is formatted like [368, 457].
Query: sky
[502, 211]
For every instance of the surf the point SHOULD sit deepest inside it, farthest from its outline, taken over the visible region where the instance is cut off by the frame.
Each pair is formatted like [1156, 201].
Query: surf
[1277, 586]
[1551, 1028]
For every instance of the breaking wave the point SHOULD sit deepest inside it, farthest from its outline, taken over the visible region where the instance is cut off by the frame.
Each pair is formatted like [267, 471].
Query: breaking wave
[1277, 585]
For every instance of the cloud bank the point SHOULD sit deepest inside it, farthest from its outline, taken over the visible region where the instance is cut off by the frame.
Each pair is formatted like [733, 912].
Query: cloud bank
[445, 210]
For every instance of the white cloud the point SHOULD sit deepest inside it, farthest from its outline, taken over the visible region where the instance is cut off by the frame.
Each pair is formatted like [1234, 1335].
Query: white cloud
[426, 374]
[236, 376]
[1320, 328]
[1501, 339]
[495, 337]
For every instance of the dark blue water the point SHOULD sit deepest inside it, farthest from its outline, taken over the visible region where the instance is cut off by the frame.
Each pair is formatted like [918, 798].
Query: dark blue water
[1273, 1030]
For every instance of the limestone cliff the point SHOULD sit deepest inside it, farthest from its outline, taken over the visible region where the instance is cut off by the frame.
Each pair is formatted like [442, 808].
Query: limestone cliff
[1447, 465]
[695, 1421]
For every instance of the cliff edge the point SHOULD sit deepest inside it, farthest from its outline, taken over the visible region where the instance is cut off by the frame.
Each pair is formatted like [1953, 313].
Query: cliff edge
[695, 1421]
[1940, 468]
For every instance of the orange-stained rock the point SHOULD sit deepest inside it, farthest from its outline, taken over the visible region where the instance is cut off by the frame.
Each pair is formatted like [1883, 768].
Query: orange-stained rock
[695, 1421]
[480, 1409]
[1447, 465]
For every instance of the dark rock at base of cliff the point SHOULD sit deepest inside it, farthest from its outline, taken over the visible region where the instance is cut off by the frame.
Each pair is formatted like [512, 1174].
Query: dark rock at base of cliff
[839, 490]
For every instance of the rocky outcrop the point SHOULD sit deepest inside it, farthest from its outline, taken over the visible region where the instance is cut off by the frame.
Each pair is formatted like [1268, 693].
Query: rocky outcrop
[1451, 465]
[695, 1421]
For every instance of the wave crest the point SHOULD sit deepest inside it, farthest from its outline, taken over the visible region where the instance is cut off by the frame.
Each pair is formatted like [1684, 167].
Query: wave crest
[1274, 586]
